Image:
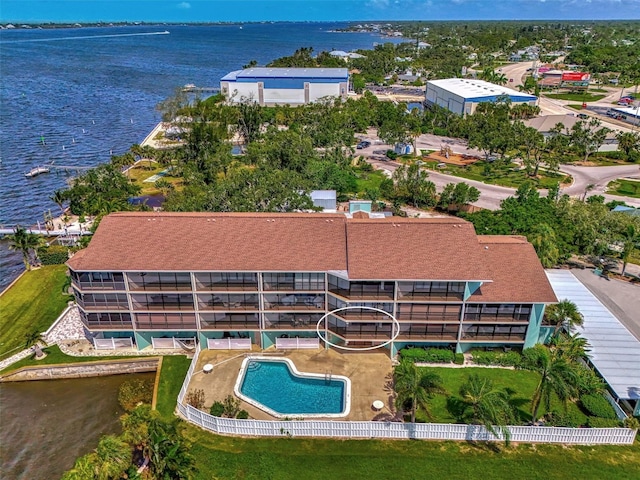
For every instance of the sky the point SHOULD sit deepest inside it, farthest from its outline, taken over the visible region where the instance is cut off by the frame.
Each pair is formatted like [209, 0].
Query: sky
[32, 11]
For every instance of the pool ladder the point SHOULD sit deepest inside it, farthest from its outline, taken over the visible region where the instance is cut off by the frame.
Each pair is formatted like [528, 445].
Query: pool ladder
[327, 377]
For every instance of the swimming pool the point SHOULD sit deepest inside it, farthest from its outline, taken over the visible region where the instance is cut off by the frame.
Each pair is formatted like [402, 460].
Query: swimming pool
[277, 387]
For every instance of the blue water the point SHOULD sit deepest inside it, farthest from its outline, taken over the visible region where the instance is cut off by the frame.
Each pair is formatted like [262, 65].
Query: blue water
[273, 385]
[90, 97]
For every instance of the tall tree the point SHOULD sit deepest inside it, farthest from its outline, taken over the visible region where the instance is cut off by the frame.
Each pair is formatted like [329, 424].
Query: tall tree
[415, 387]
[557, 375]
[588, 137]
[487, 405]
[59, 198]
[24, 242]
[412, 186]
[564, 314]
[628, 142]
[543, 239]
[631, 243]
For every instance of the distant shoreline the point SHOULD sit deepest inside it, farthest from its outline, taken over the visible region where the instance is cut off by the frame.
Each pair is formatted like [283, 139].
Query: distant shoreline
[18, 25]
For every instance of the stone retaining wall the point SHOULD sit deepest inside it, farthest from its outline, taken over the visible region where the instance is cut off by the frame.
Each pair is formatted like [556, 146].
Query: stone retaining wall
[80, 370]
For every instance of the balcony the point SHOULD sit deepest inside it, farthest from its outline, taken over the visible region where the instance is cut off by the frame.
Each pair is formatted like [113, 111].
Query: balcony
[289, 321]
[227, 287]
[429, 297]
[357, 294]
[230, 325]
[98, 286]
[294, 302]
[449, 337]
[497, 337]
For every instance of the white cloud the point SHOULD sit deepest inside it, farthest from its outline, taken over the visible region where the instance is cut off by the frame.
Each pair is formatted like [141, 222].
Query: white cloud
[184, 5]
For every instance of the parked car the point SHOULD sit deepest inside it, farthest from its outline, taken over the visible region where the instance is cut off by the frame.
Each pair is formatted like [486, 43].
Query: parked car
[363, 144]
[583, 116]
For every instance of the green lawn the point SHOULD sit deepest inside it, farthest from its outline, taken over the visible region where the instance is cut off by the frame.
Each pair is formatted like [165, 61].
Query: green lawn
[499, 174]
[141, 172]
[174, 369]
[309, 459]
[55, 357]
[521, 383]
[369, 180]
[576, 97]
[627, 188]
[32, 303]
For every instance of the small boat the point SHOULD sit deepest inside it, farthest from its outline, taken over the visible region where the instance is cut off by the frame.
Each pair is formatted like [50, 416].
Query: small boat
[36, 171]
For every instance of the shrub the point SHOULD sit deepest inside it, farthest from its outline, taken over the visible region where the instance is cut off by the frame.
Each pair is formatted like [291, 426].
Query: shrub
[427, 355]
[391, 154]
[135, 392]
[195, 398]
[597, 422]
[242, 415]
[570, 418]
[231, 406]
[217, 409]
[458, 359]
[504, 359]
[588, 381]
[53, 255]
[631, 422]
[598, 406]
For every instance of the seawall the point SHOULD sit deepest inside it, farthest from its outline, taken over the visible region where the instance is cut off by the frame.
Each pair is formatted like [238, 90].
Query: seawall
[81, 370]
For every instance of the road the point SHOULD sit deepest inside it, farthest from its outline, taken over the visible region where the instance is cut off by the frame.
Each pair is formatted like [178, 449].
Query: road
[492, 195]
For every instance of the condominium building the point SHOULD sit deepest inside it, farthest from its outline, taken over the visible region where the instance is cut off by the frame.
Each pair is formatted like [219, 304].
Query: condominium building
[261, 277]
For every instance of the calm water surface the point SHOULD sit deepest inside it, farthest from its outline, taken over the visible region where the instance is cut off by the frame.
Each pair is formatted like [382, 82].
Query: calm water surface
[73, 96]
[47, 424]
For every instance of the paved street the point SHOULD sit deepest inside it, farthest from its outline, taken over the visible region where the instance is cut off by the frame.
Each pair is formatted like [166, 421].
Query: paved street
[492, 195]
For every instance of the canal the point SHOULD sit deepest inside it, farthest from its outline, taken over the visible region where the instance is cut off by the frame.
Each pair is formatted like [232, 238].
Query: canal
[47, 424]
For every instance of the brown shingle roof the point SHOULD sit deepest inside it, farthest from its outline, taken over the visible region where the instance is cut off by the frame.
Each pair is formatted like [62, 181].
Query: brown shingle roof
[414, 248]
[516, 273]
[216, 241]
[382, 249]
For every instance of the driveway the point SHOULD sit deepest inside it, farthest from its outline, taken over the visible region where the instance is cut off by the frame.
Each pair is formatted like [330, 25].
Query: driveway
[600, 177]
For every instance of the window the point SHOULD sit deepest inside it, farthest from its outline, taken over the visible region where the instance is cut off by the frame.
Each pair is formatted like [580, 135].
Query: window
[288, 321]
[160, 281]
[428, 290]
[98, 280]
[494, 332]
[293, 281]
[229, 321]
[162, 301]
[497, 313]
[165, 321]
[102, 300]
[226, 281]
[428, 312]
[106, 320]
[222, 301]
[362, 290]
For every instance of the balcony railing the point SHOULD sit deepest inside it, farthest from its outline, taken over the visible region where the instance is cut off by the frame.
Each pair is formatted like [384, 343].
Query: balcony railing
[97, 286]
[229, 306]
[427, 336]
[362, 295]
[226, 287]
[231, 326]
[496, 337]
[160, 287]
[429, 297]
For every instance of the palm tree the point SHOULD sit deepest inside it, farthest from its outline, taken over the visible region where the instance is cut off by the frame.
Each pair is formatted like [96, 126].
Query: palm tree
[543, 239]
[564, 314]
[415, 387]
[487, 405]
[33, 339]
[25, 242]
[59, 198]
[114, 457]
[557, 375]
[571, 346]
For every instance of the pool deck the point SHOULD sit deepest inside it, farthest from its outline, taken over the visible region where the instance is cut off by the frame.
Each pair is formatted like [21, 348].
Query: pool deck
[370, 375]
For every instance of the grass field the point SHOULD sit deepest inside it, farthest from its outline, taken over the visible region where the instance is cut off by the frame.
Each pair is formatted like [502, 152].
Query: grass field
[310, 459]
[521, 383]
[142, 171]
[576, 97]
[369, 180]
[55, 357]
[497, 174]
[174, 369]
[626, 188]
[32, 303]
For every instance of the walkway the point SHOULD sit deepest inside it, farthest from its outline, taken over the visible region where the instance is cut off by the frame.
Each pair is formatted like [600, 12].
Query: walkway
[615, 352]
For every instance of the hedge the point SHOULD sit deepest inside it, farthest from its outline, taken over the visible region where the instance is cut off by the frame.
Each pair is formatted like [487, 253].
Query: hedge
[427, 355]
[598, 406]
[597, 422]
[572, 418]
[53, 255]
[504, 359]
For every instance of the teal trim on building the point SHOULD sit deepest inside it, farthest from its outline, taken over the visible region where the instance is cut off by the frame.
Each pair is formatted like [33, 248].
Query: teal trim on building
[545, 334]
[533, 332]
[143, 340]
[470, 288]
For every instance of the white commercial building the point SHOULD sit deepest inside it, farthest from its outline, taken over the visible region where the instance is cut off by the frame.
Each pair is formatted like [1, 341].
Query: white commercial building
[462, 95]
[292, 86]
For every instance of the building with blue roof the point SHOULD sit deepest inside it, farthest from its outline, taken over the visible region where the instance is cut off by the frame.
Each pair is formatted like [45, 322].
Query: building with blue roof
[280, 86]
[462, 95]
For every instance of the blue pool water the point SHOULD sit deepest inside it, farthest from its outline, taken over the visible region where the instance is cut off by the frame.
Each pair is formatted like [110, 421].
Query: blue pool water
[272, 384]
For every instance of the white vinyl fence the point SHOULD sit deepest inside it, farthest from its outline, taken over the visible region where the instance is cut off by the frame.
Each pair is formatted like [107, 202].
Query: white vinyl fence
[393, 430]
[229, 343]
[112, 343]
[174, 343]
[297, 343]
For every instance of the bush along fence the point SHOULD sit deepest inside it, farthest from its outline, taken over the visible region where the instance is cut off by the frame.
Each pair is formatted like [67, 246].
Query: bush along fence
[393, 430]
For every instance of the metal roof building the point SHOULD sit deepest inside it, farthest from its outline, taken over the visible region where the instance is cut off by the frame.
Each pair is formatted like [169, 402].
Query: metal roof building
[293, 86]
[615, 352]
[462, 95]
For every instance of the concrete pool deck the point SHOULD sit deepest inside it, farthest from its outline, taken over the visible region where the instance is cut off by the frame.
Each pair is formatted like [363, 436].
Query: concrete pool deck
[370, 375]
